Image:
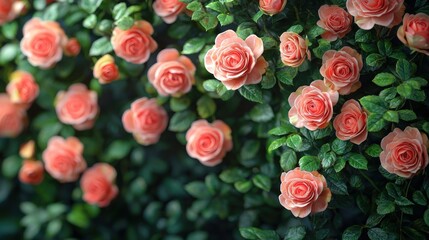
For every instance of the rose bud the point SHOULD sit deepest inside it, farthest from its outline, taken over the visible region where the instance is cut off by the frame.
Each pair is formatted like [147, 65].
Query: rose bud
[72, 47]
[106, 70]
[272, 7]
[168, 10]
[22, 88]
[31, 172]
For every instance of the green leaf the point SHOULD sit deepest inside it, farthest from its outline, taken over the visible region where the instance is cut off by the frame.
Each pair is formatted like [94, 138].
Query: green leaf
[286, 75]
[257, 16]
[263, 182]
[179, 104]
[309, 163]
[328, 159]
[194, 6]
[90, 5]
[340, 164]
[288, 160]
[391, 116]
[282, 130]
[352, 233]
[117, 150]
[253, 233]
[225, 19]
[211, 85]
[277, 143]
[232, 175]
[324, 46]
[249, 149]
[385, 206]
[181, 121]
[261, 113]
[243, 186]
[10, 166]
[216, 6]
[388, 93]
[384, 79]
[53, 227]
[125, 23]
[363, 36]
[384, 47]
[209, 22]
[9, 30]
[405, 90]
[269, 43]
[315, 31]
[178, 30]
[294, 141]
[193, 45]
[78, 217]
[100, 46]
[426, 217]
[119, 11]
[374, 150]
[375, 122]
[206, 107]
[373, 220]
[245, 29]
[197, 189]
[407, 115]
[375, 60]
[377, 234]
[296, 29]
[403, 69]
[341, 147]
[9, 52]
[252, 93]
[419, 198]
[295, 233]
[373, 104]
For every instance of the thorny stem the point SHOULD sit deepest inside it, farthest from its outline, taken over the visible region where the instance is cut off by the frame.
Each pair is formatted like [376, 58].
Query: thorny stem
[402, 213]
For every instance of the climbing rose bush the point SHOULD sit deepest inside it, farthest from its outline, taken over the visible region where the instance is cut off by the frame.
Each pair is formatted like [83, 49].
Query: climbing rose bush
[215, 119]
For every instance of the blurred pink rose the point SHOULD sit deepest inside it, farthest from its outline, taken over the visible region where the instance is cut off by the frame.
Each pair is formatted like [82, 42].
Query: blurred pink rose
[208, 142]
[387, 13]
[146, 120]
[293, 49]
[312, 106]
[414, 32]
[168, 10]
[77, 106]
[134, 45]
[272, 7]
[72, 47]
[106, 70]
[63, 158]
[172, 74]
[350, 124]
[236, 62]
[43, 42]
[404, 152]
[22, 88]
[10, 9]
[341, 70]
[12, 117]
[31, 172]
[304, 192]
[336, 21]
[98, 186]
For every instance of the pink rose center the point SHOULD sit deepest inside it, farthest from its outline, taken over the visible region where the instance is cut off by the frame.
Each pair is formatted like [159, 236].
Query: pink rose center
[135, 43]
[290, 49]
[42, 44]
[98, 189]
[301, 191]
[374, 5]
[109, 71]
[77, 106]
[234, 60]
[173, 77]
[209, 142]
[314, 107]
[419, 25]
[64, 163]
[336, 21]
[406, 153]
[149, 119]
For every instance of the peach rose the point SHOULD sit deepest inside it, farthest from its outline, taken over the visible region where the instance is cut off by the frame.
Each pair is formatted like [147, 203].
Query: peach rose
[43, 42]
[63, 158]
[350, 124]
[27, 149]
[72, 47]
[77, 107]
[172, 74]
[98, 186]
[22, 88]
[236, 62]
[10, 9]
[146, 120]
[341, 70]
[208, 142]
[105, 69]
[272, 7]
[336, 21]
[12, 117]
[168, 10]
[31, 172]
[312, 106]
[304, 192]
[387, 13]
[404, 152]
[135, 44]
[414, 32]
[293, 49]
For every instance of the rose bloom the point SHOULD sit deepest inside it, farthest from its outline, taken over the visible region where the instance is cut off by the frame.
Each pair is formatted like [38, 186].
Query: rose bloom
[10, 9]
[72, 47]
[272, 7]
[350, 124]
[172, 74]
[43, 42]
[22, 88]
[414, 32]
[27, 149]
[77, 106]
[404, 152]
[336, 21]
[208, 142]
[304, 192]
[12, 117]
[105, 69]
[341, 70]
[98, 186]
[387, 13]
[146, 120]
[168, 10]
[312, 106]
[63, 158]
[293, 49]
[31, 172]
[135, 44]
[236, 62]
